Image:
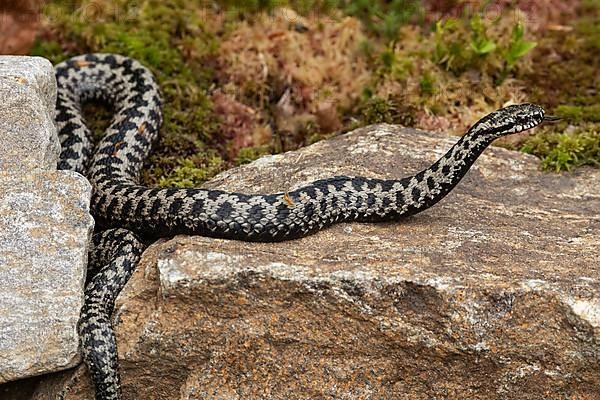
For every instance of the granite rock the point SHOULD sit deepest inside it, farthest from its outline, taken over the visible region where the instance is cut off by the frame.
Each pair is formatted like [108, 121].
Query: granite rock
[45, 228]
[494, 293]
[28, 137]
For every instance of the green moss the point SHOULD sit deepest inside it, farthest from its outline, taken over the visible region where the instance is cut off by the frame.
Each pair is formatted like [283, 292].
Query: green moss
[567, 86]
[564, 151]
[250, 6]
[167, 37]
[377, 110]
[570, 78]
[388, 58]
[588, 27]
[383, 18]
[320, 7]
[578, 114]
[249, 154]
[50, 49]
[451, 49]
[170, 37]
[427, 84]
[315, 7]
[189, 174]
[465, 43]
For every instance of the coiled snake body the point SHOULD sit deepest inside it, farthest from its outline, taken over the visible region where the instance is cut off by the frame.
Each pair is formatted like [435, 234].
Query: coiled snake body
[129, 211]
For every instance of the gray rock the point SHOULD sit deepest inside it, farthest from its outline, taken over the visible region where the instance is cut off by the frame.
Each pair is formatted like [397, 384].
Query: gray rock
[28, 138]
[45, 227]
[494, 293]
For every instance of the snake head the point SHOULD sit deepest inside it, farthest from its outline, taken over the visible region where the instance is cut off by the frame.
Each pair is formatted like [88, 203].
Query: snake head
[512, 119]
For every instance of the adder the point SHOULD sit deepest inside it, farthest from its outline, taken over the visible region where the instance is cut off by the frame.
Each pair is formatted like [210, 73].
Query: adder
[130, 215]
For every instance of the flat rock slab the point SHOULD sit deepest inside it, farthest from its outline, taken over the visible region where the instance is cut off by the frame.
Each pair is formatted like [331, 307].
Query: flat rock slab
[45, 227]
[494, 293]
[28, 138]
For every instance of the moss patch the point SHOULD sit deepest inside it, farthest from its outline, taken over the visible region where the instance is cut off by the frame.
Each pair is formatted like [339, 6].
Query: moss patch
[167, 37]
[192, 172]
[564, 151]
[566, 81]
[245, 78]
[578, 114]
[449, 76]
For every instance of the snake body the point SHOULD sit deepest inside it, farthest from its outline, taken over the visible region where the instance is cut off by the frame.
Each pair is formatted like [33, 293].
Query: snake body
[131, 211]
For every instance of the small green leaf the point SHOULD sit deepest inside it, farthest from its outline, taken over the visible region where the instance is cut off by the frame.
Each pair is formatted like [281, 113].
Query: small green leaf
[388, 58]
[522, 48]
[518, 32]
[484, 47]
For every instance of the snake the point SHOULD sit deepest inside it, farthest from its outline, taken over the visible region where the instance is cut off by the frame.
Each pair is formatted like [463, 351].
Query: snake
[129, 215]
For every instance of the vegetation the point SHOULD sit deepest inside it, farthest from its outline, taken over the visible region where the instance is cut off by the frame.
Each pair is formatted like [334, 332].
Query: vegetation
[451, 52]
[384, 18]
[568, 84]
[251, 77]
[169, 38]
[564, 151]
